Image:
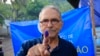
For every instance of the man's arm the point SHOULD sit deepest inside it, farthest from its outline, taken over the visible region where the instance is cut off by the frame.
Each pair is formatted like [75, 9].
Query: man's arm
[26, 45]
[23, 50]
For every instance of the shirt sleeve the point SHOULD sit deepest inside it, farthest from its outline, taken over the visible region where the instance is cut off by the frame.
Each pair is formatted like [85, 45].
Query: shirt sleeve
[25, 47]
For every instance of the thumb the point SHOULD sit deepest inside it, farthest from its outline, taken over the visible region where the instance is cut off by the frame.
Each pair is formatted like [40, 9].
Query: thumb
[46, 53]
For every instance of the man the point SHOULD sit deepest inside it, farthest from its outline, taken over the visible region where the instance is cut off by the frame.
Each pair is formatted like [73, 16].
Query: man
[50, 44]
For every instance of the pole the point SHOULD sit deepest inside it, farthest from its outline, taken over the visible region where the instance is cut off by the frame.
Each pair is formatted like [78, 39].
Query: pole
[92, 18]
[93, 23]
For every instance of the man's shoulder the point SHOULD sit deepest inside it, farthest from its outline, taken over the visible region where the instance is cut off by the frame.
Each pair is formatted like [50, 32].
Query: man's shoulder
[31, 42]
[26, 45]
[68, 47]
[66, 43]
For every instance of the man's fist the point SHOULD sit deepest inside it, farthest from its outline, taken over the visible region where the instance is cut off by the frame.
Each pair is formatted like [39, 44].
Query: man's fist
[38, 50]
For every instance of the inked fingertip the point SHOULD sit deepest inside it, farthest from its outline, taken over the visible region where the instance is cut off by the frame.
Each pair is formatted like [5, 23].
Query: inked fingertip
[46, 33]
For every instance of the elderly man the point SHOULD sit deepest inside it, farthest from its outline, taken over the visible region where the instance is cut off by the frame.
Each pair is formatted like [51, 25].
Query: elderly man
[50, 44]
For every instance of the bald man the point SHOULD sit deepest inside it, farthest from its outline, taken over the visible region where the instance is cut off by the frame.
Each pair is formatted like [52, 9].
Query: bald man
[50, 44]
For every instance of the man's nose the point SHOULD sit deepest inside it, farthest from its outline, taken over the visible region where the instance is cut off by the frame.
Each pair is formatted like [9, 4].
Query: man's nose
[49, 24]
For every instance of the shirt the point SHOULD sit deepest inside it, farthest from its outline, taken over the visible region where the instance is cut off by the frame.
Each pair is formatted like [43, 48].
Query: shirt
[64, 48]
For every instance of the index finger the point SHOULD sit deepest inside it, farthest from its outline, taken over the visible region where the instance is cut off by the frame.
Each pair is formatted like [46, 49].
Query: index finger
[45, 38]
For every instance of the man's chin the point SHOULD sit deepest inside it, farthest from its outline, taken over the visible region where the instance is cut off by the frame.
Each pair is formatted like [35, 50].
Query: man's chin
[51, 35]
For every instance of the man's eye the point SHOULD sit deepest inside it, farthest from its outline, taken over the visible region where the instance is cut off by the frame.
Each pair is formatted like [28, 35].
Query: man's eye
[45, 20]
[55, 20]
[52, 21]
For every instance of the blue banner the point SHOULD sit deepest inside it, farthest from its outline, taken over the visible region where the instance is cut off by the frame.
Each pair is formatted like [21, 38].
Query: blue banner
[96, 7]
[76, 29]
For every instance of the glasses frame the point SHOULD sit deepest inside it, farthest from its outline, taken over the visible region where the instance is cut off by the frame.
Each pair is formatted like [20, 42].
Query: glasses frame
[52, 21]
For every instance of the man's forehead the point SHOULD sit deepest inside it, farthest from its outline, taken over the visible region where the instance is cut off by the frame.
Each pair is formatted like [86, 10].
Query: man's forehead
[49, 11]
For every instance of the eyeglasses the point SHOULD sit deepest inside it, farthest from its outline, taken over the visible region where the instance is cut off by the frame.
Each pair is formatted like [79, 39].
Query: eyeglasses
[52, 21]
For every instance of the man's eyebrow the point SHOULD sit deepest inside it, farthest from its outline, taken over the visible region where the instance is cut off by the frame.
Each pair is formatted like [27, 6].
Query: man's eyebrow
[46, 19]
[55, 19]
[50, 19]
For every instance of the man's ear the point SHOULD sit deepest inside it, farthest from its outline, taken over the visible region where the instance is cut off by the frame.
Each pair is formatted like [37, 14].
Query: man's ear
[38, 26]
[61, 23]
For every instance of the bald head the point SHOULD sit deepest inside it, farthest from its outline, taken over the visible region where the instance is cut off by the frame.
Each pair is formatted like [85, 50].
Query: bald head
[50, 19]
[50, 7]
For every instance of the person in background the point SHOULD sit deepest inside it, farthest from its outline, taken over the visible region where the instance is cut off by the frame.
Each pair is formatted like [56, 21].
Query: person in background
[50, 43]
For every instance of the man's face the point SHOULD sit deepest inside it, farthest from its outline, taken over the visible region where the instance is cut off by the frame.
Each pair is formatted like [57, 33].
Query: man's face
[50, 20]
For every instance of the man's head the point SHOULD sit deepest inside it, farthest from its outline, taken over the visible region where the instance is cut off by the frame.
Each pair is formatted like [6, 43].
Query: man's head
[50, 20]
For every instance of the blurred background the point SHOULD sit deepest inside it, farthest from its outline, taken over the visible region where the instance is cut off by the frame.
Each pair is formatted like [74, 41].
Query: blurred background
[26, 10]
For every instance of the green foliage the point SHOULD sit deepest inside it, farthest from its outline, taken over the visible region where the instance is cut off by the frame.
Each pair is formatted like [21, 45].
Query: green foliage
[21, 10]
[62, 5]
[27, 10]
[33, 9]
[1, 20]
[18, 9]
[65, 6]
[5, 10]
